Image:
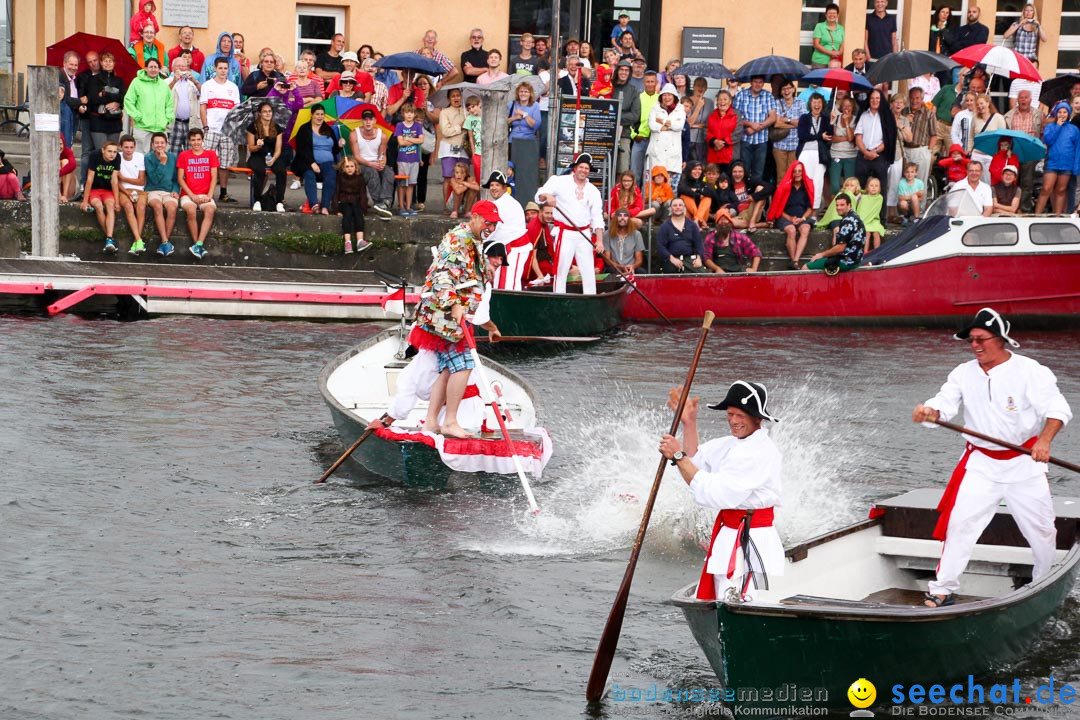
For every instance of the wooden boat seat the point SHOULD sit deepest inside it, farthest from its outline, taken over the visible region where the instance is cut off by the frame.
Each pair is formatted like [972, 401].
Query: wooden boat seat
[890, 596]
[918, 554]
[906, 597]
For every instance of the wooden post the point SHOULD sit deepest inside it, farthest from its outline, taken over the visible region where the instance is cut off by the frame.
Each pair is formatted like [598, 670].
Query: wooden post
[496, 131]
[44, 101]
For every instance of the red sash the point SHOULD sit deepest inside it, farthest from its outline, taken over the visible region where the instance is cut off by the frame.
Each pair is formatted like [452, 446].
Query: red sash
[762, 517]
[471, 391]
[948, 499]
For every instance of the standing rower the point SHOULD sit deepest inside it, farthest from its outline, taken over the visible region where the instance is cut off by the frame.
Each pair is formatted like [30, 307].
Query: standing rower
[1014, 398]
[511, 232]
[579, 216]
[738, 475]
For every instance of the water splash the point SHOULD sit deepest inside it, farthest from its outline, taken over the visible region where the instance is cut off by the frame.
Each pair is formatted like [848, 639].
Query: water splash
[606, 464]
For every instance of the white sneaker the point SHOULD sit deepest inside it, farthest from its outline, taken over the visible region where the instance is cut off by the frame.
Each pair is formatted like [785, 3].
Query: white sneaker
[257, 207]
[295, 185]
[383, 211]
[280, 207]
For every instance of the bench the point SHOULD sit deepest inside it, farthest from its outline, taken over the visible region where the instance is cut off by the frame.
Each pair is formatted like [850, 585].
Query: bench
[12, 114]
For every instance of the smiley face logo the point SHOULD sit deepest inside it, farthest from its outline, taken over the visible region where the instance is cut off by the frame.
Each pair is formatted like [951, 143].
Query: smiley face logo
[862, 693]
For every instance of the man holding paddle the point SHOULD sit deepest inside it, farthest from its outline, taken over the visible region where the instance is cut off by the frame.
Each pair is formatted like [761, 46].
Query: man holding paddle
[738, 475]
[1013, 398]
[579, 222]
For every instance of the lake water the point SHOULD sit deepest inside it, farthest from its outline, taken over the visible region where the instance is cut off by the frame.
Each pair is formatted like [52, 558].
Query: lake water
[165, 553]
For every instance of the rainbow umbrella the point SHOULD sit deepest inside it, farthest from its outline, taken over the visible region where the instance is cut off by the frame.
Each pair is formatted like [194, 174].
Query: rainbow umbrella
[352, 118]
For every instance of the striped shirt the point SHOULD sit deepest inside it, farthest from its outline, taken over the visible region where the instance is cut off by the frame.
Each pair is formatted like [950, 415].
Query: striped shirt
[755, 109]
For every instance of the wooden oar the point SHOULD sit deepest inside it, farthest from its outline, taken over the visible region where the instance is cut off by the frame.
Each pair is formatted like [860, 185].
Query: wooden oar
[537, 338]
[609, 640]
[489, 397]
[1002, 443]
[344, 457]
[618, 272]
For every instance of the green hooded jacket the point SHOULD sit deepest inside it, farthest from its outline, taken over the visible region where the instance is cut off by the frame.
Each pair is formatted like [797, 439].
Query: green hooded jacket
[149, 103]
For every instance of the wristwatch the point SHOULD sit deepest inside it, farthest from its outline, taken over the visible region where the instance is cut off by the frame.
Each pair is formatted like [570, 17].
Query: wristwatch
[679, 455]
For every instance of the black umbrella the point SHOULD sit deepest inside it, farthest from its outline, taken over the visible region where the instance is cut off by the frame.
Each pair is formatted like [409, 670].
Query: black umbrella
[1059, 88]
[908, 64]
[771, 65]
[715, 71]
[240, 117]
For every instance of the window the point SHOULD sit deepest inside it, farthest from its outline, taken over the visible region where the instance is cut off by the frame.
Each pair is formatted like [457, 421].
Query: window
[813, 12]
[1055, 234]
[315, 27]
[989, 235]
[1068, 58]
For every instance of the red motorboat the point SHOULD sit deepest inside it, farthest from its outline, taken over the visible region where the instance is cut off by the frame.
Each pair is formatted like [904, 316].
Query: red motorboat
[942, 268]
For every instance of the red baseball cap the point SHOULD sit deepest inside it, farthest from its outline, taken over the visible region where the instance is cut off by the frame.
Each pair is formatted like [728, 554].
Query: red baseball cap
[487, 210]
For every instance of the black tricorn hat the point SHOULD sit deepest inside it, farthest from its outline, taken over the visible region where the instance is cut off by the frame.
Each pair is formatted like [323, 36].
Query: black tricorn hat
[495, 248]
[495, 176]
[990, 320]
[751, 398]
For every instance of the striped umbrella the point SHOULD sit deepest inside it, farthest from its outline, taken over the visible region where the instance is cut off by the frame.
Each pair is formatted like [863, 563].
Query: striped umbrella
[837, 78]
[998, 60]
[771, 65]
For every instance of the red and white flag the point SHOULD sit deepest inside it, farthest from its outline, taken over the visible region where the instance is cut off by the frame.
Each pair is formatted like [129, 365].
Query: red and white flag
[394, 302]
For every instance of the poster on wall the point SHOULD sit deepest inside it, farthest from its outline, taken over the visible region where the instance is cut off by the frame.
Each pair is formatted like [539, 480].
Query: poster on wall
[177, 13]
[595, 130]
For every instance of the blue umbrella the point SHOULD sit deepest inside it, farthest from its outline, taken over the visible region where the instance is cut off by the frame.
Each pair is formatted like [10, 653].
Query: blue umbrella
[715, 71]
[771, 65]
[1025, 147]
[411, 61]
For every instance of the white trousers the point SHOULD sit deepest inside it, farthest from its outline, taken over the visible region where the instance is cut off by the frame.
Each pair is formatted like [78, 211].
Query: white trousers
[414, 384]
[896, 171]
[921, 157]
[770, 551]
[575, 247]
[976, 502]
[508, 277]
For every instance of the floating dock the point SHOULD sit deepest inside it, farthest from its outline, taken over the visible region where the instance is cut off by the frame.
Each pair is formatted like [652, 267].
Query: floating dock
[142, 289]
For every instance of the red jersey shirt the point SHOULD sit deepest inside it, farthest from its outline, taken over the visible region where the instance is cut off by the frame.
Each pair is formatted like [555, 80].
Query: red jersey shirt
[197, 170]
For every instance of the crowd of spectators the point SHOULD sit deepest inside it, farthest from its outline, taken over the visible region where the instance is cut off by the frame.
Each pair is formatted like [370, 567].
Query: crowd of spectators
[704, 159]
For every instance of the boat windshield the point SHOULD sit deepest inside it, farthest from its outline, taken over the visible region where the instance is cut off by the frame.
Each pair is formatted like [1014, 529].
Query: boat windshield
[933, 224]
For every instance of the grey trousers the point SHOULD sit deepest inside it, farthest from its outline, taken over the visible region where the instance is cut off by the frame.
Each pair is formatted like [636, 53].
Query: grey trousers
[380, 185]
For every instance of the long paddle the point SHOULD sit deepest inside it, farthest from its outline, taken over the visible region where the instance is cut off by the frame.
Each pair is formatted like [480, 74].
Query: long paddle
[618, 272]
[1002, 443]
[609, 640]
[538, 338]
[489, 397]
[344, 457]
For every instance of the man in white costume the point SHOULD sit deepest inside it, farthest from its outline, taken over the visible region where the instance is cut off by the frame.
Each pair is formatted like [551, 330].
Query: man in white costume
[1013, 398]
[738, 475]
[511, 232]
[579, 215]
[415, 382]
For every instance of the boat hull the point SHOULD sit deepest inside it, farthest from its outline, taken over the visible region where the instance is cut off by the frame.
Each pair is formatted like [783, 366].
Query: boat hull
[1038, 289]
[542, 312]
[753, 649]
[413, 463]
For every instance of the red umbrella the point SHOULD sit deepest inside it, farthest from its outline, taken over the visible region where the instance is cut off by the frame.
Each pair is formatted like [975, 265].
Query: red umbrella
[998, 60]
[837, 78]
[82, 43]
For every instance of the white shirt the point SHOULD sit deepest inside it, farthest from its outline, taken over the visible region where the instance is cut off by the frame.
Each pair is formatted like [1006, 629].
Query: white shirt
[960, 134]
[1010, 402]
[740, 474]
[869, 126]
[737, 474]
[584, 212]
[981, 195]
[219, 99]
[1020, 84]
[131, 168]
[512, 226]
